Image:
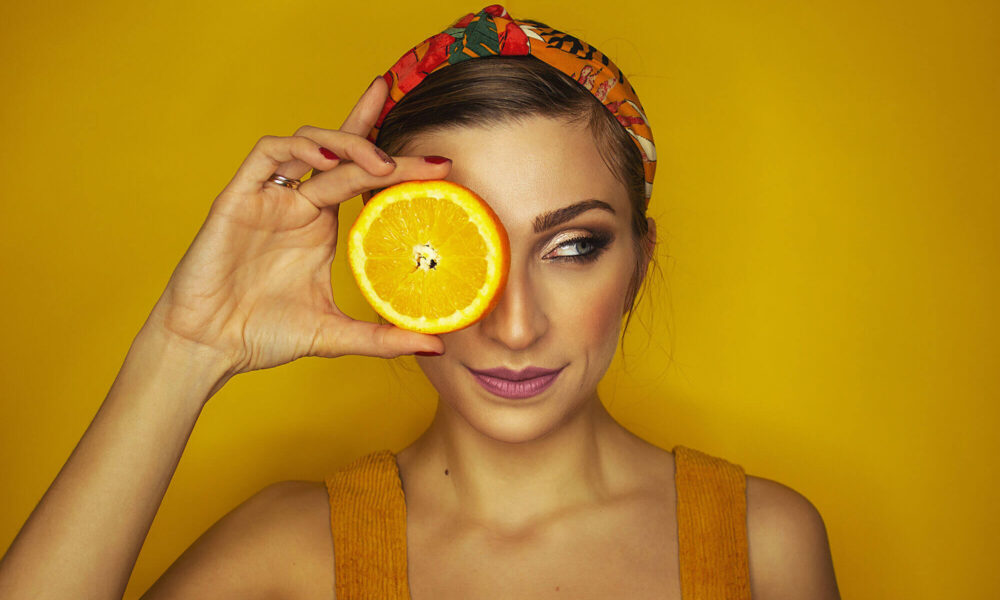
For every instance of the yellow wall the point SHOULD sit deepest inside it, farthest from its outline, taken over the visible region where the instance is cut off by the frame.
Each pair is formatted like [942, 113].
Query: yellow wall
[827, 200]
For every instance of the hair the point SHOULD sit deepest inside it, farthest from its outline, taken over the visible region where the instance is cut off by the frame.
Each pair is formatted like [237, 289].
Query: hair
[504, 89]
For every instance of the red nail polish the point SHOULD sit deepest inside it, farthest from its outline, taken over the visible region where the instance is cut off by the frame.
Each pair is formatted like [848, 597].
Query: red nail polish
[328, 154]
[385, 157]
[421, 353]
[437, 160]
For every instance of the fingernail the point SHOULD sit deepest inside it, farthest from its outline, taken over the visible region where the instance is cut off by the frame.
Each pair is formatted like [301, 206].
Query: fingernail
[437, 160]
[422, 353]
[385, 157]
[328, 154]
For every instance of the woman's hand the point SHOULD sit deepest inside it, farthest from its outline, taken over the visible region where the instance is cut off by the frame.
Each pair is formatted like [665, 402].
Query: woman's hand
[255, 286]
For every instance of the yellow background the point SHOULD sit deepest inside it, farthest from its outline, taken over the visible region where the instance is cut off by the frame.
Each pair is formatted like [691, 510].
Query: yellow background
[827, 201]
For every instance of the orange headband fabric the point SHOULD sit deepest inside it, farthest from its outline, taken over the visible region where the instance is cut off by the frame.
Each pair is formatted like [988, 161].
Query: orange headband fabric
[492, 32]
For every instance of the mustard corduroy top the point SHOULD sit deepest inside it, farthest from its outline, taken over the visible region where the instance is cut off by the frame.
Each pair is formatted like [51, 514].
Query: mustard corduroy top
[368, 521]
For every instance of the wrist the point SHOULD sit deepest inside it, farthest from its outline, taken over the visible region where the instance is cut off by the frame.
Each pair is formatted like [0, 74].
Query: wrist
[196, 371]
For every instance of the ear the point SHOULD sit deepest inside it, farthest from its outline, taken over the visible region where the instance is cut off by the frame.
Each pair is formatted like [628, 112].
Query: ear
[651, 240]
[649, 246]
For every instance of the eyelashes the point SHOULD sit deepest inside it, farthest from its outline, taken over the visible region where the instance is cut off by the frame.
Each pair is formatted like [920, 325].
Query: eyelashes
[597, 242]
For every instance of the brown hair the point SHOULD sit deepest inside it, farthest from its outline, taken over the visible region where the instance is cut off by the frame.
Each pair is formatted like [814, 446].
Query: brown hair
[504, 89]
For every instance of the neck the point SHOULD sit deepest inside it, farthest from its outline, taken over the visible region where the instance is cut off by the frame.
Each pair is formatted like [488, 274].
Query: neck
[511, 486]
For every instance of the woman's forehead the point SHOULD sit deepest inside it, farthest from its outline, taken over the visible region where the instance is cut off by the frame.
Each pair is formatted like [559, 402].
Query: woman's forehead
[526, 168]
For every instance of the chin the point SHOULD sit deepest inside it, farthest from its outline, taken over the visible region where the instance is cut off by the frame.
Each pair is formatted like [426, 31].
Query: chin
[513, 422]
[514, 429]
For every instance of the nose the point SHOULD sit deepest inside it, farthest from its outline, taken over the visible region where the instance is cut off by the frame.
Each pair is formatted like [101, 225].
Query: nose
[519, 319]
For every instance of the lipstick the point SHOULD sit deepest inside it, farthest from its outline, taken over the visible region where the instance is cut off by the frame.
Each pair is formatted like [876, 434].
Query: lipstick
[516, 384]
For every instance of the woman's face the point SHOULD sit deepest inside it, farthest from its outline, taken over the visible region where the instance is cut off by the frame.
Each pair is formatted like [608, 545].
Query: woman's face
[565, 296]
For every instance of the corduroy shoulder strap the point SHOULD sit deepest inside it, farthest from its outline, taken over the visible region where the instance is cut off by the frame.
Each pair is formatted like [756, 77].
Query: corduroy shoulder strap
[368, 521]
[711, 527]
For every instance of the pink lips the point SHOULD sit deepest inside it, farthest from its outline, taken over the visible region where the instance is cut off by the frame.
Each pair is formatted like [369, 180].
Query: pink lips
[516, 384]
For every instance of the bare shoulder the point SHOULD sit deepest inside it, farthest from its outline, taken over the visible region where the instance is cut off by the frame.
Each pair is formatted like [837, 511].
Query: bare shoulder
[788, 545]
[276, 544]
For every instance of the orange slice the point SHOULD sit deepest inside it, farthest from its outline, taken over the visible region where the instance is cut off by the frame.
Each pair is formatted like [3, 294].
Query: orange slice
[429, 256]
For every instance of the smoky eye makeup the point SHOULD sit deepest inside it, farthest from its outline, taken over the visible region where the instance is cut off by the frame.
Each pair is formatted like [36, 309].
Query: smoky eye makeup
[580, 246]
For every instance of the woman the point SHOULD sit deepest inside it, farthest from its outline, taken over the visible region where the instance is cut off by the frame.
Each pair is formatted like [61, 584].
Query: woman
[517, 489]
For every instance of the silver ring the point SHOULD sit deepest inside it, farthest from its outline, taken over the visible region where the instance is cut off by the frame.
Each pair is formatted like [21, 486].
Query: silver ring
[284, 181]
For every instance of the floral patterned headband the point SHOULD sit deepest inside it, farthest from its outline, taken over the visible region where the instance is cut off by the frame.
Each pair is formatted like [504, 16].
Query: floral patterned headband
[491, 32]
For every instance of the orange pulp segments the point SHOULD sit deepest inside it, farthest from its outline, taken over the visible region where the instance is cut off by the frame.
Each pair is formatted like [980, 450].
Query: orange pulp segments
[429, 255]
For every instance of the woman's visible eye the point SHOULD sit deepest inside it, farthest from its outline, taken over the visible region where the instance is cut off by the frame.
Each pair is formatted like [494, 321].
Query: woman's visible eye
[584, 248]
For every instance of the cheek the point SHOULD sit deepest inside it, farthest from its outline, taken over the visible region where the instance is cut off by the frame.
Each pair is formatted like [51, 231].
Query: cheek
[605, 315]
[594, 312]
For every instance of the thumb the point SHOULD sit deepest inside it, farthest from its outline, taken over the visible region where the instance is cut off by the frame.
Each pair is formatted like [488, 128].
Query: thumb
[339, 335]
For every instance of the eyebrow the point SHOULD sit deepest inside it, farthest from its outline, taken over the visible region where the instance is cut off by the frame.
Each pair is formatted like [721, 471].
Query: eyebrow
[546, 221]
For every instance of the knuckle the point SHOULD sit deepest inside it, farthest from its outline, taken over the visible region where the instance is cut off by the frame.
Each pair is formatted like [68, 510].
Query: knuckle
[301, 141]
[357, 180]
[265, 141]
[305, 130]
[381, 338]
[357, 142]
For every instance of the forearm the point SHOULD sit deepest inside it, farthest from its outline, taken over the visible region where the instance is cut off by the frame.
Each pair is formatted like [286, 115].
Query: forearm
[82, 539]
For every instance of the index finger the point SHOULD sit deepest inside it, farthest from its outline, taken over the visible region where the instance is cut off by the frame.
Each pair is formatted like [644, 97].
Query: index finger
[368, 108]
[365, 112]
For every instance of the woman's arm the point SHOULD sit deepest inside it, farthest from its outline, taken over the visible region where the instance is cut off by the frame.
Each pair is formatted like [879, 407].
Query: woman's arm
[253, 291]
[276, 544]
[790, 555]
[82, 539]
